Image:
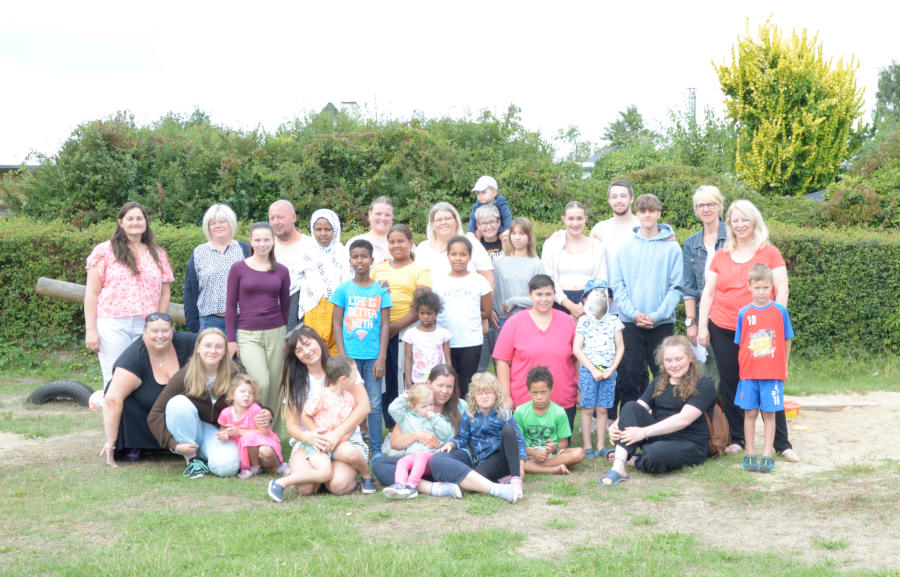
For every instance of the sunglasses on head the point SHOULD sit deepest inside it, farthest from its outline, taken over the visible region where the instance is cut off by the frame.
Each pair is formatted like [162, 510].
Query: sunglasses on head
[157, 316]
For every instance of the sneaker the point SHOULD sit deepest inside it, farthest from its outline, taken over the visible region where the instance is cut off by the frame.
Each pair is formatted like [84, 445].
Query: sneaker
[790, 455]
[276, 491]
[196, 469]
[590, 454]
[283, 470]
[131, 455]
[750, 463]
[504, 480]
[733, 448]
[446, 490]
[368, 486]
[413, 492]
[517, 483]
[766, 465]
[506, 492]
[396, 491]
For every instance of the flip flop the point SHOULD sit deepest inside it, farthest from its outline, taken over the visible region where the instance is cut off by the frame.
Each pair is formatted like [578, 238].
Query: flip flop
[613, 476]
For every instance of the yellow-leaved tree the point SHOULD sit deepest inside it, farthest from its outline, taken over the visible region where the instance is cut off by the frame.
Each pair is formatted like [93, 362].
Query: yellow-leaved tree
[793, 110]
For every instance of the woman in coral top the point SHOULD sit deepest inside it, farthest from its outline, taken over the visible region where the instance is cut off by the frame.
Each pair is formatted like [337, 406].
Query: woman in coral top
[128, 278]
[726, 291]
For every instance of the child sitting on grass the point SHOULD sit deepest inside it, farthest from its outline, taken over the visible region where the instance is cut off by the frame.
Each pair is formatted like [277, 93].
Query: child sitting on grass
[490, 435]
[258, 447]
[545, 426]
[764, 333]
[415, 413]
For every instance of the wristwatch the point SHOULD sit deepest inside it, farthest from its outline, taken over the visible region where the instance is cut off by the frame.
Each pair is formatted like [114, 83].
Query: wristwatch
[689, 322]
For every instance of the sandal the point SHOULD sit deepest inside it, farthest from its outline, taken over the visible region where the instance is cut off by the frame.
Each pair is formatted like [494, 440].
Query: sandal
[613, 476]
[247, 473]
[606, 452]
[750, 463]
[591, 454]
[766, 465]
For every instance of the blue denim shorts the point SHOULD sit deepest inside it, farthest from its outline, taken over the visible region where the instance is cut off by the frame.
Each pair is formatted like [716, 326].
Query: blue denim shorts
[596, 393]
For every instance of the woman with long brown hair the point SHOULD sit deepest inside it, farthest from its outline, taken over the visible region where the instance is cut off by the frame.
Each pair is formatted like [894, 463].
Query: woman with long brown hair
[128, 278]
[663, 430]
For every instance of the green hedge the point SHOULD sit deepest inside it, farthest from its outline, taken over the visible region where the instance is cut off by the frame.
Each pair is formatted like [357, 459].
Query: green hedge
[30, 249]
[845, 284]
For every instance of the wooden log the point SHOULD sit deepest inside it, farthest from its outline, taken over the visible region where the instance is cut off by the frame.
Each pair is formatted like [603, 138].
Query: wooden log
[74, 292]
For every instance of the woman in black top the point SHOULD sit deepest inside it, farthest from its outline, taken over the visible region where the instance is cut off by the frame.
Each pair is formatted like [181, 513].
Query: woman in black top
[139, 375]
[664, 429]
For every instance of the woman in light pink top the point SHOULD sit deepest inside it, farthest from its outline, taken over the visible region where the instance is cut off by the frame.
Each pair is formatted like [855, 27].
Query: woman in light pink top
[128, 278]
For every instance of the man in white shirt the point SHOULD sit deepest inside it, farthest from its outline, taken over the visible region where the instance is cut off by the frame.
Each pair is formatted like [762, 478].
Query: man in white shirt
[290, 246]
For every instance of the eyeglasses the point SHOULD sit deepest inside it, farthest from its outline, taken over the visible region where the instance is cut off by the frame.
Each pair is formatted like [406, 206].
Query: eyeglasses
[157, 316]
[488, 222]
[705, 205]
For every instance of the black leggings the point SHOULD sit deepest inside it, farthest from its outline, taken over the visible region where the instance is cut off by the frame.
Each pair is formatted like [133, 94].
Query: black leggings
[726, 352]
[659, 454]
[465, 363]
[391, 374]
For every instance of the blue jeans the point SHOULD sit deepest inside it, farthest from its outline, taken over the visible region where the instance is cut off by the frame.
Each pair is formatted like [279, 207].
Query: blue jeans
[366, 368]
[212, 322]
[184, 424]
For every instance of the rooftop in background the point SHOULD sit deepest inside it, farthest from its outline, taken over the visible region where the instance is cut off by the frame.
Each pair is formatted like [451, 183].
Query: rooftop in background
[4, 168]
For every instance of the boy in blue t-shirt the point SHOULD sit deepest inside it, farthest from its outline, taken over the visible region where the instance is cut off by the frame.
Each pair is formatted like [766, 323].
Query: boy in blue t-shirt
[545, 426]
[361, 308]
[764, 334]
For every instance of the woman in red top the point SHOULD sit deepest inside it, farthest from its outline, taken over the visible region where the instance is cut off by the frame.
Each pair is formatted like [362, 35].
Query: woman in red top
[724, 294]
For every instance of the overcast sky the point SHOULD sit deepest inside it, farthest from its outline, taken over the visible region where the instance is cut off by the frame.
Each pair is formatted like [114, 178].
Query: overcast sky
[264, 63]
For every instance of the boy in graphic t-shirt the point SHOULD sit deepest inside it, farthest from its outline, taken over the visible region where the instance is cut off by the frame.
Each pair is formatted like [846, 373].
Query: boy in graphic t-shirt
[764, 334]
[361, 329]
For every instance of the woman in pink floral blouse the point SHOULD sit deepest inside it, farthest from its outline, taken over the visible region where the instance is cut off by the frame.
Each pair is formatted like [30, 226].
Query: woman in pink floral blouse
[128, 278]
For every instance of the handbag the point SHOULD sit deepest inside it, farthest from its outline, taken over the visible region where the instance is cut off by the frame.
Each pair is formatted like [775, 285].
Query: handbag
[719, 433]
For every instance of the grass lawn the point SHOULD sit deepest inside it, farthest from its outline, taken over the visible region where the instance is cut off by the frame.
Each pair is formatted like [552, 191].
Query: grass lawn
[63, 513]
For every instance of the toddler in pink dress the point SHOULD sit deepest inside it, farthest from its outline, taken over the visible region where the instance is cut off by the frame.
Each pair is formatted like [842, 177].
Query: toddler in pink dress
[258, 448]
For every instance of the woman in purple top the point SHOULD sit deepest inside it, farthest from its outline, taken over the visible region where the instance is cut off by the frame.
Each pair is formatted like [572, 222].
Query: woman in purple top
[258, 288]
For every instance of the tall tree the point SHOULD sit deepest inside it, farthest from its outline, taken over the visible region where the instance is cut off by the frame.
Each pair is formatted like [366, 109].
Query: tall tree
[793, 110]
[627, 128]
[887, 99]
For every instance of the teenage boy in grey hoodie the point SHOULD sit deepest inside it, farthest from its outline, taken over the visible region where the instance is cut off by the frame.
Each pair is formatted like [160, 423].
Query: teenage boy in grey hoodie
[647, 284]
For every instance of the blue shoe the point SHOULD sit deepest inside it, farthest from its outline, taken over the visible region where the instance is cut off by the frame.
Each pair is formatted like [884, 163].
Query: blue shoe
[196, 468]
[276, 491]
[368, 486]
[413, 492]
[766, 465]
[591, 454]
[750, 464]
[614, 477]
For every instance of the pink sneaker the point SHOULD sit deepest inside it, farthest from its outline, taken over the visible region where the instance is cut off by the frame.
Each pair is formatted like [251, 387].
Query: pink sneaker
[517, 483]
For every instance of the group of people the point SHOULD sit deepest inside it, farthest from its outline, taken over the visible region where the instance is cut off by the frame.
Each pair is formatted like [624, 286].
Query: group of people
[343, 340]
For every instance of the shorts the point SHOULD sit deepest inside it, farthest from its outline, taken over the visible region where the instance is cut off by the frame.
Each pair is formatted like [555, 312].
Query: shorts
[355, 440]
[596, 393]
[765, 395]
[552, 455]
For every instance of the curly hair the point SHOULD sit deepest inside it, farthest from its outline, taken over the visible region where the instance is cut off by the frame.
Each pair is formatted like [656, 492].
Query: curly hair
[687, 385]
